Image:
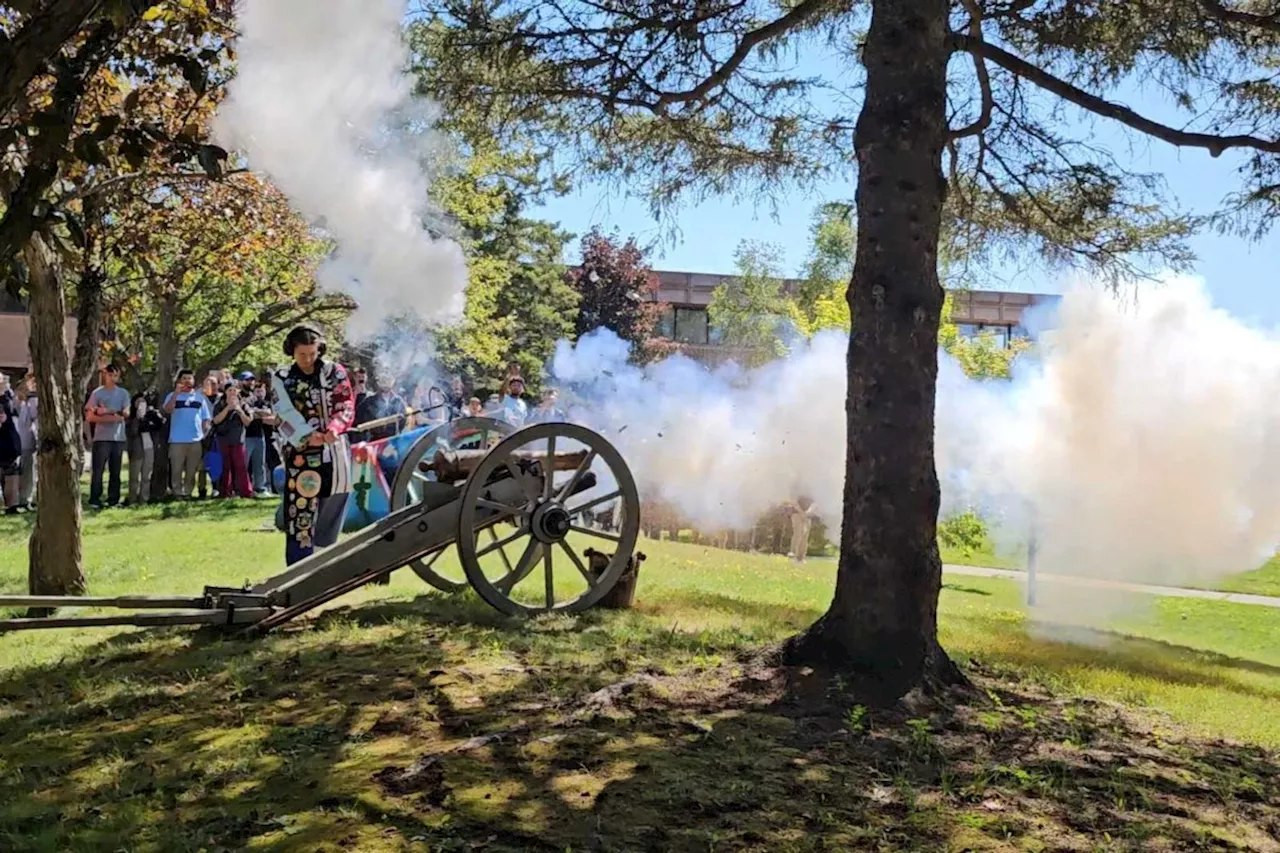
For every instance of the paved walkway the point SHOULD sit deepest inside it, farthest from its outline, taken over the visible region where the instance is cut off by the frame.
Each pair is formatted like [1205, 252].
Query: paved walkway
[1166, 591]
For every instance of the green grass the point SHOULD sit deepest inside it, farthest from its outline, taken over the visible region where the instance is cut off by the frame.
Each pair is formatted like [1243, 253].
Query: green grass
[358, 729]
[1264, 580]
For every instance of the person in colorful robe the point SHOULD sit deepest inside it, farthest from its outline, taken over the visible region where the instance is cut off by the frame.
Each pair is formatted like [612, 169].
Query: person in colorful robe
[314, 403]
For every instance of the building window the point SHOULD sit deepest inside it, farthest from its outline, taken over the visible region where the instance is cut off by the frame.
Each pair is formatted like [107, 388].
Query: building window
[666, 327]
[691, 326]
[999, 333]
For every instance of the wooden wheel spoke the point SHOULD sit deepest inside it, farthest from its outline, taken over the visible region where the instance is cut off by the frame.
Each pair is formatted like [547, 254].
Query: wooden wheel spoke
[524, 566]
[502, 510]
[572, 483]
[497, 544]
[549, 474]
[502, 552]
[549, 571]
[616, 493]
[599, 534]
[577, 562]
[435, 556]
[519, 478]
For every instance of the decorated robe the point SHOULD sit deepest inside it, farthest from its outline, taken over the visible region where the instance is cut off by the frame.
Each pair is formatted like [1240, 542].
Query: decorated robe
[309, 403]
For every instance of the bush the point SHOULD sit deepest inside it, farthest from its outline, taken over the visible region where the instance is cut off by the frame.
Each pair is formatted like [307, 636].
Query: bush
[966, 532]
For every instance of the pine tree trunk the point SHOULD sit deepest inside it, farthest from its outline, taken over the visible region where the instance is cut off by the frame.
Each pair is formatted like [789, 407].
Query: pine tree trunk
[55, 566]
[881, 628]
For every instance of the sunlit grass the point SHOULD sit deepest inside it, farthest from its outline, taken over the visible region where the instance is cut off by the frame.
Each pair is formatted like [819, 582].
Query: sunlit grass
[346, 732]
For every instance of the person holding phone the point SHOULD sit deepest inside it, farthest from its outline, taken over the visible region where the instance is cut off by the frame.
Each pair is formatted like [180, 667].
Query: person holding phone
[107, 411]
[143, 423]
[230, 418]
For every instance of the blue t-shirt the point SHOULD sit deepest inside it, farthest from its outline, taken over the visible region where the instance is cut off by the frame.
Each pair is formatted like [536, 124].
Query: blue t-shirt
[191, 410]
[113, 402]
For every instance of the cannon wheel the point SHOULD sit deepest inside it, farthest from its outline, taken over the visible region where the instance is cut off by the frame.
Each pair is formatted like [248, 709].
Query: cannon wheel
[480, 433]
[543, 524]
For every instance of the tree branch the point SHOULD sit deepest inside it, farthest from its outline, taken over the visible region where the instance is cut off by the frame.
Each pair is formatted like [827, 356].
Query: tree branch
[796, 17]
[1216, 10]
[983, 121]
[118, 180]
[20, 219]
[1213, 143]
[41, 38]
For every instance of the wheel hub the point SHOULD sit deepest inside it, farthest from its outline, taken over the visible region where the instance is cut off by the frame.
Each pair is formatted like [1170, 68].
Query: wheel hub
[550, 522]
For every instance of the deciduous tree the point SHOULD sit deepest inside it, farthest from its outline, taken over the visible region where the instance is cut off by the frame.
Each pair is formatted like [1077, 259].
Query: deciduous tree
[750, 311]
[81, 87]
[617, 291]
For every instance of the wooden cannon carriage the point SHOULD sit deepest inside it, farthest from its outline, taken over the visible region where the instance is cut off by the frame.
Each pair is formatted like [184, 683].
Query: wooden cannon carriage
[512, 502]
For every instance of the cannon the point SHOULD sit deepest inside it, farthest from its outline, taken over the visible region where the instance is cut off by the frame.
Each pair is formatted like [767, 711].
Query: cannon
[387, 474]
[513, 510]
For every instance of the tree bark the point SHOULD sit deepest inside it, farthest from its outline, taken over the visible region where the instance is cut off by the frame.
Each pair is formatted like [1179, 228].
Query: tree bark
[55, 556]
[881, 628]
[91, 319]
[167, 357]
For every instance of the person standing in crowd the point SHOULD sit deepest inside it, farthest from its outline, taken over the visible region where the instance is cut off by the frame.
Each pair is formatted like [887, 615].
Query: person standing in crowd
[456, 398]
[29, 432]
[207, 479]
[384, 404]
[360, 385]
[546, 411]
[189, 421]
[515, 410]
[801, 524]
[254, 395]
[108, 410]
[268, 420]
[475, 409]
[230, 419]
[10, 446]
[144, 422]
[315, 405]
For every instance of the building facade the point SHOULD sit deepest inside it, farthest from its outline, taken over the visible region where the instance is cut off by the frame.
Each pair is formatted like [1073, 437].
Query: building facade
[687, 295]
[15, 332]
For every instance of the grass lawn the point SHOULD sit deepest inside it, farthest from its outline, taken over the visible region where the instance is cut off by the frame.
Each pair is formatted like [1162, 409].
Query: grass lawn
[420, 722]
[1264, 580]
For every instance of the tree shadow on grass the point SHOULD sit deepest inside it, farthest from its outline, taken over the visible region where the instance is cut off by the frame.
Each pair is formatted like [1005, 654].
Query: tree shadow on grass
[966, 590]
[1137, 657]
[439, 724]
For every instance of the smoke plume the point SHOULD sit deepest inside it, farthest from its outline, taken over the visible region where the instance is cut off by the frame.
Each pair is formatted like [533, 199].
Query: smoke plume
[322, 104]
[1142, 444]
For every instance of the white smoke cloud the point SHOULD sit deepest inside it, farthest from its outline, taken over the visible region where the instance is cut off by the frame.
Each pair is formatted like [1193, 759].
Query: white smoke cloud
[1145, 440]
[322, 104]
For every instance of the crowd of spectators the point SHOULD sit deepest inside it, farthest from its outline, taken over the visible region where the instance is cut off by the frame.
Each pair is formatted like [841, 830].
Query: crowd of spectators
[218, 436]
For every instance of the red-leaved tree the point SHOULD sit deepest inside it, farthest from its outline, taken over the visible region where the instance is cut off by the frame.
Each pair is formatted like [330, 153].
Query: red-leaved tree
[618, 291]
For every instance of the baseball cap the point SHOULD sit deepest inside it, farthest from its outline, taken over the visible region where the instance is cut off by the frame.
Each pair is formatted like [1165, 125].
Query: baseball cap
[246, 376]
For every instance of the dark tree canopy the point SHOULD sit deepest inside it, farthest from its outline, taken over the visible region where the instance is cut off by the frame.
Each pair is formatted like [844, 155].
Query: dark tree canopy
[617, 290]
[702, 97]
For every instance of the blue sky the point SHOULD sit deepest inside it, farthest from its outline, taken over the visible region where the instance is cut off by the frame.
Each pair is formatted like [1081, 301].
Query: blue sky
[1242, 276]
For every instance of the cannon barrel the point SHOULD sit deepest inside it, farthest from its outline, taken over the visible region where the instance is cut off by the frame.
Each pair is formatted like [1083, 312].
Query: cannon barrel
[453, 465]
